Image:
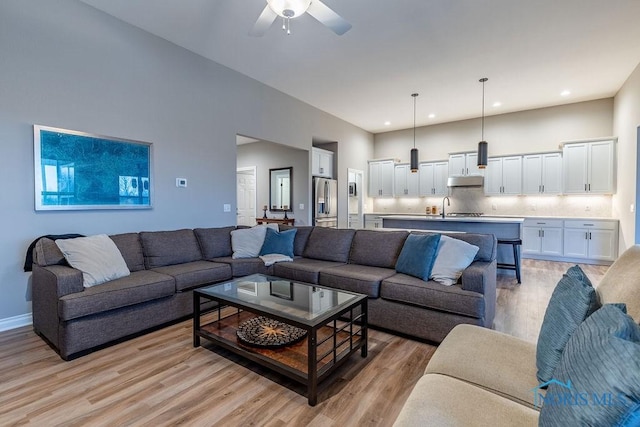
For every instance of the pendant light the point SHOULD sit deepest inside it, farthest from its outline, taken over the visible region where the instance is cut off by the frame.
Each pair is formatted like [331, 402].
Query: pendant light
[414, 150]
[483, 147]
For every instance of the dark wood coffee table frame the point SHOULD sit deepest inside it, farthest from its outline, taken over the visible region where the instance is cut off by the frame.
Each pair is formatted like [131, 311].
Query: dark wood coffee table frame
[330, 340]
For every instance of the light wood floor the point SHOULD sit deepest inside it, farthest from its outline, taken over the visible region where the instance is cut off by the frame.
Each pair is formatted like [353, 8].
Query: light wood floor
[160, 379]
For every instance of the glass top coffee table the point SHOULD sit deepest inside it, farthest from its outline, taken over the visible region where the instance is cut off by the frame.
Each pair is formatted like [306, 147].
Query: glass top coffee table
[299, 330]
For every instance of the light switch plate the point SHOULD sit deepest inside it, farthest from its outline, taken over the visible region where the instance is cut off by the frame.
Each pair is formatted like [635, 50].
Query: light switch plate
[227, 207]
[301, 206]
[181, 182]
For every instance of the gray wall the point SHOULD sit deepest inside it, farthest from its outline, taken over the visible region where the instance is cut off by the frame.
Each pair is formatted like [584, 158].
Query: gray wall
[67, 65]
[267, 155]
[626, 122]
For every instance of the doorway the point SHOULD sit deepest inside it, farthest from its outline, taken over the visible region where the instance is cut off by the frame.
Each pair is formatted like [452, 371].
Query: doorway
[355, 218]
[246, 196]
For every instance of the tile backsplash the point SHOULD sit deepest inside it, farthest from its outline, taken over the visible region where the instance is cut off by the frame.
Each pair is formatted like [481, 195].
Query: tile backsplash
[474, 200]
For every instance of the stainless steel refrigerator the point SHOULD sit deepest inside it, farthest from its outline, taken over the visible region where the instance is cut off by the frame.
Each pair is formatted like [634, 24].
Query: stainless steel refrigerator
[325, 202]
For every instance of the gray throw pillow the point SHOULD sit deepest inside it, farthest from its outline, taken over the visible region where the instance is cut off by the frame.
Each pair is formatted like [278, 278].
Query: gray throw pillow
[597, 382]
[572, 301]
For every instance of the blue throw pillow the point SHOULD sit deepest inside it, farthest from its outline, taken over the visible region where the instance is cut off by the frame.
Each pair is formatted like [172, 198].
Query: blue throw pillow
[418, 255]
[572, 301]
[278, 242]
[597, 382]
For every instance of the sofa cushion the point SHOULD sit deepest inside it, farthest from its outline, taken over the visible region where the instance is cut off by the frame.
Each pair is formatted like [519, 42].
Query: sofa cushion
[608, 379]
[453, 299]
[329, 244]
[621, 282]
[214, 242]
[438, 400]
[417, 255]
[377, 248]
[197, 273]
[140, 286]
[487, 243]
[305, 270]
[454, 256]
[46, 252]
[571, 302]
[131, 250]
[247, 242]
[278, 242]
[97, 257]
[500, 363]
[169, 247]
[245, 266]
[362, 279]
[302, 236]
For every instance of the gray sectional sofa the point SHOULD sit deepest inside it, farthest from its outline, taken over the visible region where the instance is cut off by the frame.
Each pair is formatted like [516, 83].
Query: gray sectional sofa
[167, 265]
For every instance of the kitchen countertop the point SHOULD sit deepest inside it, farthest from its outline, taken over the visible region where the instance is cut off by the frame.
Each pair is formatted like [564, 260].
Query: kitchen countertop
[416, 216]
[483, 218]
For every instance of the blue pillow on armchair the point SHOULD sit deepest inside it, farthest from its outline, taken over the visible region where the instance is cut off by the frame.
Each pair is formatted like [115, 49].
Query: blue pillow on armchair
[418, 255]
[279, 242]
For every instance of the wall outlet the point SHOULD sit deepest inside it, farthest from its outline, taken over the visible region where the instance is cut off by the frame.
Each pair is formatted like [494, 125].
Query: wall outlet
[587, 208]
[532, 207]
[301, 206]
[226, 207]
[494, 207]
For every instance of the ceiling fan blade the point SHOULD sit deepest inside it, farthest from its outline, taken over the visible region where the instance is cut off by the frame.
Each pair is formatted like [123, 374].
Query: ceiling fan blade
[264, 22]
[328, 17]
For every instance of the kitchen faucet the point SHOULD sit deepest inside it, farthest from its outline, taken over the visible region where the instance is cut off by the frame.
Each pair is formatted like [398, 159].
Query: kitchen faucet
[448, 204]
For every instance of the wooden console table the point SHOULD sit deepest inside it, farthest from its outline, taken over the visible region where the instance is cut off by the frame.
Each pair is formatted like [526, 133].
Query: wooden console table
[287, 221]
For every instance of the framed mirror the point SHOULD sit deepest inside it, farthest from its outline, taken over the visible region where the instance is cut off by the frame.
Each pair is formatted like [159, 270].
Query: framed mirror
[280, 190]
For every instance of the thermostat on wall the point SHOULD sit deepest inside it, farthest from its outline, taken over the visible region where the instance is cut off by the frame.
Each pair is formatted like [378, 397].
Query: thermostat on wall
[181, 182]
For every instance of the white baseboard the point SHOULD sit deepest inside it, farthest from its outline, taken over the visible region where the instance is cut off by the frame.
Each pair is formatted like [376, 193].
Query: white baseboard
[15, 322]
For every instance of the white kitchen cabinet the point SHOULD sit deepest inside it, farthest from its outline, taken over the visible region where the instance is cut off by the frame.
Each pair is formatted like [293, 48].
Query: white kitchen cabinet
[542, 173]
[541, 236]
[464, 164]
[372, 221]
[596, 240]
[321, 162]
[381, 178]
[503, 176]
[589, 167]
[405, 182]
[433, 179]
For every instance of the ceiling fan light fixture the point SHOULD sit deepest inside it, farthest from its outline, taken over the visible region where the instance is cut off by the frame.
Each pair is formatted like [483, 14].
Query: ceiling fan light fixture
[289, 8]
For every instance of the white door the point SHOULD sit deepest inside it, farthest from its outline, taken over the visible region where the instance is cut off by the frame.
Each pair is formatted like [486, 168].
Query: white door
[493, 178]
[457, 165]
[574, 167]
[576, 243]
[246, 196]
[601, 244]
[440, 175]
[512, 175]
[531, 240]
[532, 174]
[551, 241]
[426, 184]
[600, 167]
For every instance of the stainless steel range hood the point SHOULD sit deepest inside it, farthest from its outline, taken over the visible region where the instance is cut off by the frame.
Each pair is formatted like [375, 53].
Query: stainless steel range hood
[465, 181]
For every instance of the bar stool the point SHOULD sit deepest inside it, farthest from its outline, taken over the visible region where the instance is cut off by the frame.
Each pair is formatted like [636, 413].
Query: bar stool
[515, 244]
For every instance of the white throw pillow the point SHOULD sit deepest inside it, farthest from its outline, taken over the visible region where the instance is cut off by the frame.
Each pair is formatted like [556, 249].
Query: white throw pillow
[97, 257]
[247, 242]
[453, 257]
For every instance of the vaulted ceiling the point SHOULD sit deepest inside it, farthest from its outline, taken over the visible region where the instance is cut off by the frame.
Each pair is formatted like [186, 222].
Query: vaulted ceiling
[531, 51]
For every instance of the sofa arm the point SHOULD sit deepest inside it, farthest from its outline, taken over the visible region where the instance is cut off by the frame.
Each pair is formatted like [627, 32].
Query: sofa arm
[480, 277]
[61, 278]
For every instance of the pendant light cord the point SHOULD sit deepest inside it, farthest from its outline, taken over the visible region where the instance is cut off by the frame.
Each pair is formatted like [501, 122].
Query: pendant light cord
[483, 80]
[415, 95]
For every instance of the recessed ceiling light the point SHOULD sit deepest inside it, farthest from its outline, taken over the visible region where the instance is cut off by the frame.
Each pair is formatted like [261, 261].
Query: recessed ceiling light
[565, 93]
[387, 123]
[431, 116]
[497, 104]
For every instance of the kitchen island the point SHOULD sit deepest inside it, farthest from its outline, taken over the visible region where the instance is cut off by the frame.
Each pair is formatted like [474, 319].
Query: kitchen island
[501, 227]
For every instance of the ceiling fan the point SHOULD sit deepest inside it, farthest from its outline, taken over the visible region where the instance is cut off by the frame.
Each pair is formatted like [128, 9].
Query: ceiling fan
[288, 9]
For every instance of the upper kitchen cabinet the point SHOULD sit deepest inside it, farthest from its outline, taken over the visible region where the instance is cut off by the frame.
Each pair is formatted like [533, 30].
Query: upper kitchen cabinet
[542, 173]
[321, 163]
[589, 167]
[381, 178]
[405, 182]
[464, 164]
[433, 179]
[503, 176]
